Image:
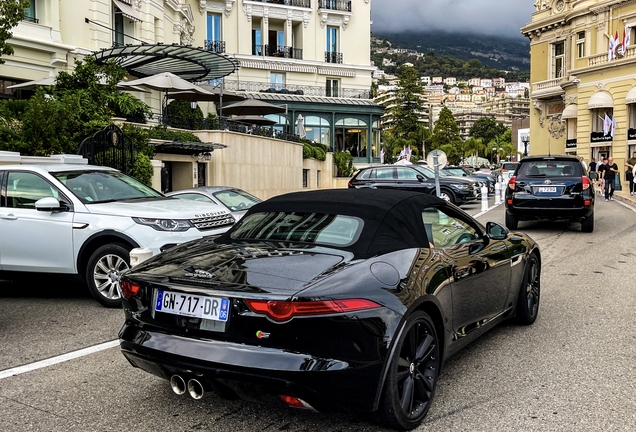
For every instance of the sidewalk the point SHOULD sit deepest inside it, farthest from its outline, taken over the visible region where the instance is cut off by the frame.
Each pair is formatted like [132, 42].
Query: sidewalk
[620, 195]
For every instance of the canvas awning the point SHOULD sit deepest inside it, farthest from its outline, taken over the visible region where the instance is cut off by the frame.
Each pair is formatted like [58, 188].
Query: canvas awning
[631, 96]
[600, 99]
[188, 148]
[571, 111]
[127, 10]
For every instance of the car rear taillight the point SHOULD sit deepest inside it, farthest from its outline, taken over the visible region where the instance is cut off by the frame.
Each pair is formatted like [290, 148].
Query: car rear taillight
[294, 402]
[512, 184]
[350, 185]
[586, 182]
[129, 289]
[286, 310]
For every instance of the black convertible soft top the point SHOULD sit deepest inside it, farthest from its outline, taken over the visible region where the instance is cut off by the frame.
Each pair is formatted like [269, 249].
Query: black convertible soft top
[392, 219]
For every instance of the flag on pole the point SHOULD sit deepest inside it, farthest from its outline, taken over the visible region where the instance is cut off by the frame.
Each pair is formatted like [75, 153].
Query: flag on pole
[607, 125]
[402, 153]
[613, 127]
[409, 152]
[382, 155]
[627, 35]
[612, 45]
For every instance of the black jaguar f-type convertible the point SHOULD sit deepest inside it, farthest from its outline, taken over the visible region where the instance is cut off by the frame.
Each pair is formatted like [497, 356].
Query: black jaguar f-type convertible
[346, 300]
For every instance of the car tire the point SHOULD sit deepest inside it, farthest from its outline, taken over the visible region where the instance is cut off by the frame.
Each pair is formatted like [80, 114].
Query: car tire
[102, 273]
[529, 292]
[511, 222]
[587, 225]
[412, 375]
[447, 195]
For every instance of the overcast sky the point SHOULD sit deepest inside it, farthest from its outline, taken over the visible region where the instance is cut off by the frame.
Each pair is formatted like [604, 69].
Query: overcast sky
[499, 17]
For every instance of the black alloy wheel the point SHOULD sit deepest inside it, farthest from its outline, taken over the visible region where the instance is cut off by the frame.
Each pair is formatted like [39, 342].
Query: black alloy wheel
[103, 272]
[447, 195]
[413, 371]
[529, 292]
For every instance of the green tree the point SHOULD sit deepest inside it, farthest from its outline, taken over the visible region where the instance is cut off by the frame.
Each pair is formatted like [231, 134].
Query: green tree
[408, 105]
[11, 13]
[487, 129]
[446, 130]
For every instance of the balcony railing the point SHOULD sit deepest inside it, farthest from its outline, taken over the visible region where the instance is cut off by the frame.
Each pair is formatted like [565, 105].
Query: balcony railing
[215, 46]
[283, 51]
[604, 57]
[333, 57]
[263, 87]
[298, 3]
[548, 84]
[339, 5]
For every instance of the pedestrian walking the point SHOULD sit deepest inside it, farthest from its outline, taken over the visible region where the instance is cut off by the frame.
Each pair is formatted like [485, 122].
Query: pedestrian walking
[609, 175]
[591, 172]
[629, 167]
[600, 168]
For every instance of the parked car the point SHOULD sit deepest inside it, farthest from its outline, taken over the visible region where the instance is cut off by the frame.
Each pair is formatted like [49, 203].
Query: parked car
[347, 299]
[506, 170]
[418, 178]
[234, 199]
[553, 188]
[485, 179]
[84, 220]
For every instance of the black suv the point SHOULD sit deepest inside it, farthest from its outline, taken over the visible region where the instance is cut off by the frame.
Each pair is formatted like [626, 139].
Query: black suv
[415, 178]
[550, 187]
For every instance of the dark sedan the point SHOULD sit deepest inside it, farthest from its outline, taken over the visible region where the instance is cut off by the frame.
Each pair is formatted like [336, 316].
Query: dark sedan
[415, 178]
[461, 171]
[552, 188]
[338, 300]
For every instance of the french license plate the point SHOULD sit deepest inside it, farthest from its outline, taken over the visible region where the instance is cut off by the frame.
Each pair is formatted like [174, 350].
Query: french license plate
[547, 189]
[211, 308]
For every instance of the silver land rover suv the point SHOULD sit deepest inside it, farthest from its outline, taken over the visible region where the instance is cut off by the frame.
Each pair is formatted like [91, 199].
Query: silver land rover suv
[84, 220]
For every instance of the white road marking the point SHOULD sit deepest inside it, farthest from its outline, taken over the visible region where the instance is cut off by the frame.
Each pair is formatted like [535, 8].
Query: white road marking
[486, 211]
[59, 359]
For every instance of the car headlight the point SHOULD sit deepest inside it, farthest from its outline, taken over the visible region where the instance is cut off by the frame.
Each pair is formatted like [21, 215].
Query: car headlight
[461, 186]
[174, 225]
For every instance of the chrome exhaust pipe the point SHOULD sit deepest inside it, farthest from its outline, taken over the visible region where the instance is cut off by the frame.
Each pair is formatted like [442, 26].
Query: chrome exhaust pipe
[178, 384]
[195, 388]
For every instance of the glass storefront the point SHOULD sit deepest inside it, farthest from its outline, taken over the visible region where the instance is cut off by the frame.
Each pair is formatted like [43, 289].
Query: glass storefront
[352, 135]
[318, 130]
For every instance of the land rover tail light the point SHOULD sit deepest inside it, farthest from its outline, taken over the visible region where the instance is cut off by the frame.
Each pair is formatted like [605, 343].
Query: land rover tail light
[586, 182]
[512, 184]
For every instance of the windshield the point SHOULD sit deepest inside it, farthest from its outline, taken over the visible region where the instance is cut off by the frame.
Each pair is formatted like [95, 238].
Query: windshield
[236, 199]
[326, 229]
[104, 186]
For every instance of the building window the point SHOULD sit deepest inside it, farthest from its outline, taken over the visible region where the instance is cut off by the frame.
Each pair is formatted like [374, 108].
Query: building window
[332, 87]
[29, 13]
[352, 136]
[305, 178]
[332, 39]
[558, 60]
[277, 80]
[257, 42]
[318, 129]
[214, 41]
[598, 119]
[119, 27]
[580, 44]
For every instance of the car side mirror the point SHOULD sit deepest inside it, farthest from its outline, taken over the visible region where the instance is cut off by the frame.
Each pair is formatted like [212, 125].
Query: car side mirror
[48, 204]
[420, 178]
[496, 231]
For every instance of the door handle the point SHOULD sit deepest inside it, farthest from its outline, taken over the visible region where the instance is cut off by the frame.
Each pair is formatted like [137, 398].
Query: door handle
[10, 216]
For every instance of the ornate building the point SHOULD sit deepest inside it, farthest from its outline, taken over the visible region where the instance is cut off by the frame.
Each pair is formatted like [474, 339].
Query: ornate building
[582, 74]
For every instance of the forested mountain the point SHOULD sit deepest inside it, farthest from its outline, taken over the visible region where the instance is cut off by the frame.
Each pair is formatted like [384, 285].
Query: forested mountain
[460, 55]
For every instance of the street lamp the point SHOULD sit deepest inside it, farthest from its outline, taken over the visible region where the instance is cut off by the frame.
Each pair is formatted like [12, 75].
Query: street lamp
[525, 139]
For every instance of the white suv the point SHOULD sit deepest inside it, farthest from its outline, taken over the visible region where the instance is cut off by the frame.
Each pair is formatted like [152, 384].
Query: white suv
[84, 220]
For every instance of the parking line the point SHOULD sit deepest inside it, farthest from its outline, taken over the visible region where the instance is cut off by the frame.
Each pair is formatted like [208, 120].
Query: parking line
[486, 211]
[55, 360]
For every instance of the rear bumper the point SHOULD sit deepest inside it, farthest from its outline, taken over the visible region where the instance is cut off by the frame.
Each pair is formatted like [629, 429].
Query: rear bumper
[553, 213]
[253, 372]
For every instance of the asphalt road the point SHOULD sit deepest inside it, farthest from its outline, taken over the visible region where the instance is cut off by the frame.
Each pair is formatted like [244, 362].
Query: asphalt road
[573, 370]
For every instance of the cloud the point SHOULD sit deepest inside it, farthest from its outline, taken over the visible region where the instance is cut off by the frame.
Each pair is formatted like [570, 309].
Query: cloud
[493, 17]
